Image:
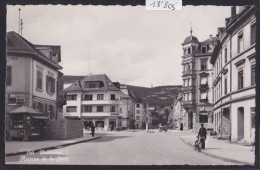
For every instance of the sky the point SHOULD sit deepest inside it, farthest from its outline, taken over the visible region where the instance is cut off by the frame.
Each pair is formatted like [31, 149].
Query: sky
[130, 45]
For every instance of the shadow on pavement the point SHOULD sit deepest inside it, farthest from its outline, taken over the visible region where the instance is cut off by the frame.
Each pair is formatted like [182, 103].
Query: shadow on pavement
[212, 148]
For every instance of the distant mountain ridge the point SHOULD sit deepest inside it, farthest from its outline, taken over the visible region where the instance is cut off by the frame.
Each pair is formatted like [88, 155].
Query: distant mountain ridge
[163, 96]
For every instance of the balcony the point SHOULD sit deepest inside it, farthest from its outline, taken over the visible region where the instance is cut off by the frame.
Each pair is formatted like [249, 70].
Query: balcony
[188, 73]
[99, 114]
[188, 103]
[101, 102]
[188, 89]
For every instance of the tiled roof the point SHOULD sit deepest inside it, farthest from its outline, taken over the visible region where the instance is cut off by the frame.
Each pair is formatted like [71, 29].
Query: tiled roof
[78, 85]
[25, 109]
[207, 41]
[72, 79]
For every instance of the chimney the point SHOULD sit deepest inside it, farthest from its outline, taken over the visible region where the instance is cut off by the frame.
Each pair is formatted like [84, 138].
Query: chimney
[233, 11]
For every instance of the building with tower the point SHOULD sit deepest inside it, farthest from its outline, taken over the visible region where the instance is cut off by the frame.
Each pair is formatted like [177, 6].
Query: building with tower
[197, 98]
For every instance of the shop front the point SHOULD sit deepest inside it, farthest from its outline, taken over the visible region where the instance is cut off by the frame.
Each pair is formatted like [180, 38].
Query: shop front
[26, 123]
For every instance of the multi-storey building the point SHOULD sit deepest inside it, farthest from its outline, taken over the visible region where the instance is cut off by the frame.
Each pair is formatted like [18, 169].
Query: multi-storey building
[32, 72]
[197, 80]
[139, 114]
[234, 76]
[95, 99]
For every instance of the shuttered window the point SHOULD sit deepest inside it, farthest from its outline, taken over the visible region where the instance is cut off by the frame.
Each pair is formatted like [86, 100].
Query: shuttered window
[253, 33]
[39, 80]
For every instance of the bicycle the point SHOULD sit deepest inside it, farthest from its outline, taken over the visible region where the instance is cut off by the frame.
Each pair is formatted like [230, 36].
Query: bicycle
[197, 145]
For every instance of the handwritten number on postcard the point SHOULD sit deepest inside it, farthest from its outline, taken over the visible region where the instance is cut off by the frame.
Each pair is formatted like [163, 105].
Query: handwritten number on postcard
[163, 4]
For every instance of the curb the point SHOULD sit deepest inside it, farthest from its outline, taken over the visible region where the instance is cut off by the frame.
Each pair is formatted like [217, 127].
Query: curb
[52, 147]
[218, 157]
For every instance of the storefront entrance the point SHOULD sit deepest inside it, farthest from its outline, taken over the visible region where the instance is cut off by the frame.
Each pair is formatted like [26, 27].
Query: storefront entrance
[100, 124]
[240, 123]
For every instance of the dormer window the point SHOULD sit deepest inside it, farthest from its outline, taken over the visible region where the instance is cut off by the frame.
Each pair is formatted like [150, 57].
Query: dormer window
[204, 49]
[93, 84]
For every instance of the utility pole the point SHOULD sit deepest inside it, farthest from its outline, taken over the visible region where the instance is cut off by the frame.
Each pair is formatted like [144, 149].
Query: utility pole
[21, 27]
[19, 24]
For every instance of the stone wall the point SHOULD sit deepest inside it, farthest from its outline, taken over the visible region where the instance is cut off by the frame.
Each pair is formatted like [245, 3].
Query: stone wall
[62, 129]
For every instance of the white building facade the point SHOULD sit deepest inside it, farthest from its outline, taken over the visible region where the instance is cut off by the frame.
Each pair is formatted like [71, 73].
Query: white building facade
[234, 76]
[96, 100]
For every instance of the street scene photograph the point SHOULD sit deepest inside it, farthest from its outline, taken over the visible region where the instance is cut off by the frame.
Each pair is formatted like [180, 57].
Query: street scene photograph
[123, 85]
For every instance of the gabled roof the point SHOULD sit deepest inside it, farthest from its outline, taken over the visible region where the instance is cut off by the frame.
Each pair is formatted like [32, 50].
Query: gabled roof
[54, 48]
[18, 44]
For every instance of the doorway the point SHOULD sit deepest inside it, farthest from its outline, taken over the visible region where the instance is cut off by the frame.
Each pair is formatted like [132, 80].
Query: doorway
[240, 123]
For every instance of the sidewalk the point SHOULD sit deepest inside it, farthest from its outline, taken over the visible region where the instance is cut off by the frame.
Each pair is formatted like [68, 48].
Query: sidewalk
[223, 149]
[20, 147]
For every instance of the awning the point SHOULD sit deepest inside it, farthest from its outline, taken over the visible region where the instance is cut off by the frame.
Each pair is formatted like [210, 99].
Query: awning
[40, 117]
[203, 96]
[203, 80]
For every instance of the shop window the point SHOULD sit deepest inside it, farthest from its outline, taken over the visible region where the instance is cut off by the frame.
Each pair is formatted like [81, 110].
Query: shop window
[253, 33]
[100, 96]
[72, 97]
[253, 75]
[39, 80]
[100, 108]
[71, 109]
[9, 75]
[88, 97]
[240, 43]
[240, 80]
[17, 121]
[203, 118]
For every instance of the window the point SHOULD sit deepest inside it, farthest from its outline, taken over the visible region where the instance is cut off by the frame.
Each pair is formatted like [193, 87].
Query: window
[188, 96]
[87, 108]
[253, 33]
[52, 112]
[88, 97]
[72, 97]
[240, 43]
[253, 75]
[184, 83]
[71, 109]
[252, 110]
[39, 107]
[137, 117]
[203, 49]
[39, 80]
[113, 97]
[203, 65]
[203, 96]
[225, 84]
[11, 99]
[9, 76]
[100, 108]
[50, 85]
[94, 84]
[100, 96]
[138, 112]
[203, 118]
[189, 51]
[240, 80]
[225, 55]
[112, 108]
[137, 105]
[121, 110]
[203, 81]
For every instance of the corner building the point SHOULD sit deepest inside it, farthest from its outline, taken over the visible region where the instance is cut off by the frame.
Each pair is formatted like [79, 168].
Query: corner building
[197, 98]
[234, 76]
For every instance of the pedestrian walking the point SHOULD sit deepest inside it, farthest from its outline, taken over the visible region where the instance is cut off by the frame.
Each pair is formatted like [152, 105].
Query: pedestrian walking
[203, 134]
[93, 130]
[112, 126]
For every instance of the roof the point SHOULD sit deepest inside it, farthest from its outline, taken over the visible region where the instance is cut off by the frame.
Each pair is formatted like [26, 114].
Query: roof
[54, 48]
[25, 109]
[18, 44]
[190, 39]
[209, 40]
[78, 85]
[72, 79]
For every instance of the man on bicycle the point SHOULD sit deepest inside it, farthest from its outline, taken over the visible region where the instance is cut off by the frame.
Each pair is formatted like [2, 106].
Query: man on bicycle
[203, 134]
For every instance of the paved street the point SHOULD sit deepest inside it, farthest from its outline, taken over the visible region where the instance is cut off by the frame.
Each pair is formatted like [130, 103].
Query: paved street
[124, 148]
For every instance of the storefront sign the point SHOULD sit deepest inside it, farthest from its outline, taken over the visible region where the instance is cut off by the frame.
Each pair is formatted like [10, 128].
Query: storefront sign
[114, 114]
